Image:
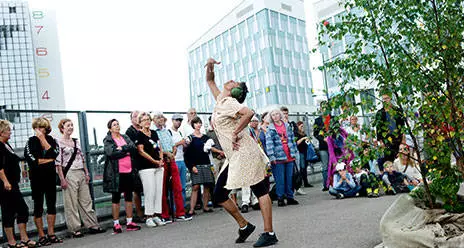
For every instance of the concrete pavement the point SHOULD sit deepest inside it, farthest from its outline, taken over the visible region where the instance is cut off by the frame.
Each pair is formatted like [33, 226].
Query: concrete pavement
[319, 221]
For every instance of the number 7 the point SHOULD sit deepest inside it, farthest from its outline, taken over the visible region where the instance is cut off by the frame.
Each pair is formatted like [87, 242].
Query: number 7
[39, 28]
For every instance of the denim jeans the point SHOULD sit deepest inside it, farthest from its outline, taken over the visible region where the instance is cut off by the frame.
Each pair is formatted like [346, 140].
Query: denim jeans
[183, 176]
[303, 164]
[325, 166]
[283, 174]
[350, 193]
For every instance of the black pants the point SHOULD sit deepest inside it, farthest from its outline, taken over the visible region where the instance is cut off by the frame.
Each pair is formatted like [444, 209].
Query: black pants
[126, 186]
[43, 185]
[13, 206]
[221, 194]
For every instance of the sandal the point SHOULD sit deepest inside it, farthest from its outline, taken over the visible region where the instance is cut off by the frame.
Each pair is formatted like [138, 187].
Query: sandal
[43, 241]
[54, 239]
[16, 245]
[96, 230]
[29, 243]
[77, 234]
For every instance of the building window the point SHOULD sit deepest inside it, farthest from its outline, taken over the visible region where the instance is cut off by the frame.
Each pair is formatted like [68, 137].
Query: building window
[12, 10]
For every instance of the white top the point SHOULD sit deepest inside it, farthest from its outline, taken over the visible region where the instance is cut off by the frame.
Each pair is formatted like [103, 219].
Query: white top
[411, 171]
[176, 137]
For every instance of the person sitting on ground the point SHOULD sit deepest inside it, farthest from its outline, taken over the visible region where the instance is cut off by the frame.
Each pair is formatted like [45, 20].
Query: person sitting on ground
[368, 182]
[405, 164]
[343, 183]
[396, 181]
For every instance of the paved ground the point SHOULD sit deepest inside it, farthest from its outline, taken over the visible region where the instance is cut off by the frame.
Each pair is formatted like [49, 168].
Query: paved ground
[319, 221]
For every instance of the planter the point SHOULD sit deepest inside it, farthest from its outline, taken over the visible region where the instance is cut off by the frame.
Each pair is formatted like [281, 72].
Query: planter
[405, 225]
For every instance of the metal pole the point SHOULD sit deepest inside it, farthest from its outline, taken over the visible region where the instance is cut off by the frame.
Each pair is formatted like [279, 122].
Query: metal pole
[325, 78]
[85, 146]
[2, 112]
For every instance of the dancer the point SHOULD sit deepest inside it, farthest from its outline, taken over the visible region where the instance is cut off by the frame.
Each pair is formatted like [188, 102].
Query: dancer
[245, 164]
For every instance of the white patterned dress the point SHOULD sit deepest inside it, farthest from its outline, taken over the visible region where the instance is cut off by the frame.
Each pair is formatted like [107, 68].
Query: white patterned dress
[247, 166]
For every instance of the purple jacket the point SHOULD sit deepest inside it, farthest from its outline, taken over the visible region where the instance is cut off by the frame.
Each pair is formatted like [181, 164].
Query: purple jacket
[346, 154]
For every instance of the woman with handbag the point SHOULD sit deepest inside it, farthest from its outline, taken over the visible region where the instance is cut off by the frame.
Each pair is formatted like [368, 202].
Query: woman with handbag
[74, 177]
[302, 141]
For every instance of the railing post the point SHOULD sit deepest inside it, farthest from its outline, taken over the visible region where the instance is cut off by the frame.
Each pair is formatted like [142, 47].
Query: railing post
[2, 112]
[85, 146]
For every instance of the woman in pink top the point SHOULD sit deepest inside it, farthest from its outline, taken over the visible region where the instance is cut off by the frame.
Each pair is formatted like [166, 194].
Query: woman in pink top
[118, 174]
[75, 178]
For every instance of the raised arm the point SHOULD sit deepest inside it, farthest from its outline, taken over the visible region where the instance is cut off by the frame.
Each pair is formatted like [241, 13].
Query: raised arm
[210, 77]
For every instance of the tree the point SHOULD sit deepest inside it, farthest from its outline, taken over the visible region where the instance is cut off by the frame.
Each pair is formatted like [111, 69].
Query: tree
[413, 49]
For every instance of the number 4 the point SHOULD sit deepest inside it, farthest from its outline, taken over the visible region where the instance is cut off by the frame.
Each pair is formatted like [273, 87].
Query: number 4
[45, 95]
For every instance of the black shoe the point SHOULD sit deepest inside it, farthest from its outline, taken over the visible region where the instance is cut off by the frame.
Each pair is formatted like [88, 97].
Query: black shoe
[96, 230]
[256, 206]
[325, 189]
[265, 239]
[308, 185]
[244, 234]
[245, 208]
[281, 203]
[138, 219]
[291, 201]
[198, 207]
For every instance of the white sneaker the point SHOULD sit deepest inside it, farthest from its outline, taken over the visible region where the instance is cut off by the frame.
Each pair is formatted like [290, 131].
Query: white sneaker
[149, 222]
[300, 192]
[158, 221]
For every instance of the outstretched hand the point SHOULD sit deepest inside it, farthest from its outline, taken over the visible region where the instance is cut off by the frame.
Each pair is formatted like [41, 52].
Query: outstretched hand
[212, 62]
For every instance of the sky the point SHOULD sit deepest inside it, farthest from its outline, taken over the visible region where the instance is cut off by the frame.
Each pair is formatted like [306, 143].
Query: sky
[125, 55]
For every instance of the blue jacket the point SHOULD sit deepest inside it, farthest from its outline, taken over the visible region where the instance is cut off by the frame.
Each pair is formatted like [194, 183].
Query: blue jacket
[274, 147]
[345, 186]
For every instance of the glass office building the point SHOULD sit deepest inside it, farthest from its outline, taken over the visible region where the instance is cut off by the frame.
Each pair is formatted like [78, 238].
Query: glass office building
[262, 43]
[18, 84]
[330, 11]
[30, 67]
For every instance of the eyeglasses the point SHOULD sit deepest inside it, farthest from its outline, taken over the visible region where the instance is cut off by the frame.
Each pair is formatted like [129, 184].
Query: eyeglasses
[143, 120]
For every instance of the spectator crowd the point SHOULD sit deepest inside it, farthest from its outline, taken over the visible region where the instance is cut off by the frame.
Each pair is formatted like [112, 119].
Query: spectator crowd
[152, 160]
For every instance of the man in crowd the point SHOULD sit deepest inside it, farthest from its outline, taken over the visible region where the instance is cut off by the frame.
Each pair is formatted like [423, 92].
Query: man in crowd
[170, 171]
[218, 157]
[179, 143]
[138, 188]
[321, 126]
[389, 122]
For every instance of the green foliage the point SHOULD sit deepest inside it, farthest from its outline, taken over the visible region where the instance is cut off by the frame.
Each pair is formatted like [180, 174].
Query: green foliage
[445, 185]
[413, 49]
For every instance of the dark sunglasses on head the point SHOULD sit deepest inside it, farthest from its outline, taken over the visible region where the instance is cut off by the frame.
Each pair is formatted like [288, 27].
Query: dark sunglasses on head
[178, 119]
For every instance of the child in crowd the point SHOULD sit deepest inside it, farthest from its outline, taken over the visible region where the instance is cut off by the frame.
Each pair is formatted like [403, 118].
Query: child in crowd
[343, 183]
[396, 181]
[368, 182]
[366, 174]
